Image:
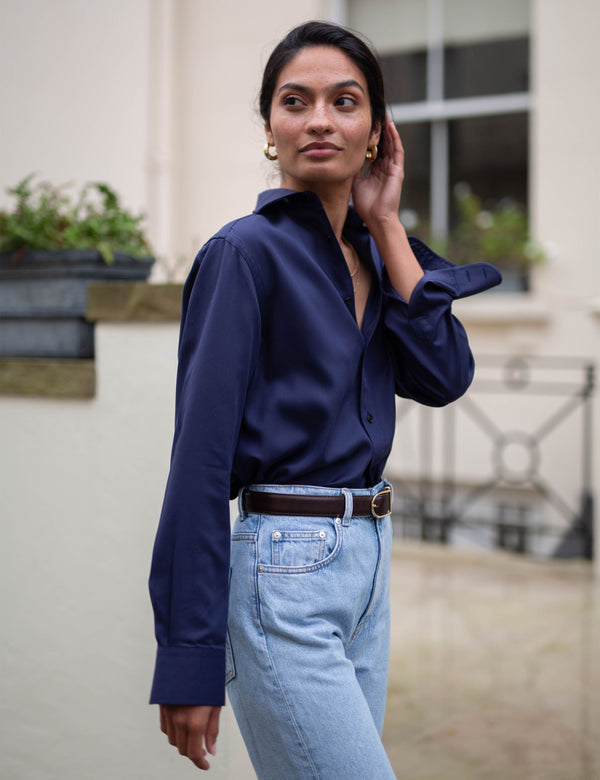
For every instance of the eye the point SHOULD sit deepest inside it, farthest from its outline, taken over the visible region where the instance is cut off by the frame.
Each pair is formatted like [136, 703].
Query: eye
[292, 100]
[345, 101]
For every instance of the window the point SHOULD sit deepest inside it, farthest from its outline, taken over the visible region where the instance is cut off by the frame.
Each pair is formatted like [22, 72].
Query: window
[457, 78]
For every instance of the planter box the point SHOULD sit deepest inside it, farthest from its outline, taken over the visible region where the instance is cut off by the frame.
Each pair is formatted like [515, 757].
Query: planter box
[44, 299]
[73, 264]
[46, 338]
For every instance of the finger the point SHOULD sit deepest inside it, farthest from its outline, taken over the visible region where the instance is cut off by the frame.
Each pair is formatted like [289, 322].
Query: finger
[163, 719]
[212, 731]
[169, 729]
[181, 736]
[194, 749]
[396, 141]
[199, 759]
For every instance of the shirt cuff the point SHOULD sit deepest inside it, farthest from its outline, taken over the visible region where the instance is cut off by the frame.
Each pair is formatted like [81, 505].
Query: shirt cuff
[441, 283]
[189, 675]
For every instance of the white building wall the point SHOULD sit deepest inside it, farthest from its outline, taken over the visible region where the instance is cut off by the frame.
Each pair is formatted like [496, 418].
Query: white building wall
[565, 196]
[75, 93]
[81, 485]
[564, 148]
[218, 165]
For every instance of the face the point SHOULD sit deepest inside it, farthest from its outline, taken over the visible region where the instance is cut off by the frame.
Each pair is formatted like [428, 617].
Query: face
[320, 121]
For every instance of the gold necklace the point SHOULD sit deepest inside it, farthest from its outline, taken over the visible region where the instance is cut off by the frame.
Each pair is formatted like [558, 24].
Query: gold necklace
[354, 274]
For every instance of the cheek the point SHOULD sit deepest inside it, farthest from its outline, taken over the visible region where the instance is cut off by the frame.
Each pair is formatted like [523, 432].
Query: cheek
[361, 141]
[284, 132]
[358, 133]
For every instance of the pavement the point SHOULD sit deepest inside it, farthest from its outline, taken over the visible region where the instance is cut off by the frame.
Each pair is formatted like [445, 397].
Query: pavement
[495, 667]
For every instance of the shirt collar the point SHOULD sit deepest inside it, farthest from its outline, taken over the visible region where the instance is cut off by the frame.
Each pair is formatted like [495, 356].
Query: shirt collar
[269, 197]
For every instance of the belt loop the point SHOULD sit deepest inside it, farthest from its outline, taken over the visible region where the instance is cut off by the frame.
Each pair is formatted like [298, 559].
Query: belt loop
[389, 485]
[348, 507]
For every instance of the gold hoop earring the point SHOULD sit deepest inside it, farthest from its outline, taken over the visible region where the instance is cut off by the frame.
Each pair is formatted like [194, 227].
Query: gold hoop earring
[268, 154]
[371, 154]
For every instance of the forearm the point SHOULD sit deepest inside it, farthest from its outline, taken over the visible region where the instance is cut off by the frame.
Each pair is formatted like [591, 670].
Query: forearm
[401, 264]
[432, 360]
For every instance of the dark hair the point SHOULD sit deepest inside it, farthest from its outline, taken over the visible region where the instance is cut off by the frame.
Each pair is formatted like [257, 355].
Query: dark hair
[326, 34]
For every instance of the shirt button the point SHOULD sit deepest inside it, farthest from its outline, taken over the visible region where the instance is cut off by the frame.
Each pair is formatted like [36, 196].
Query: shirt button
[370, 418]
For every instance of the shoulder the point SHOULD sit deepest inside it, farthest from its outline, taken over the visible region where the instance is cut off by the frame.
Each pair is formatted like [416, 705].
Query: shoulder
[236, 245]
[264, 239]
[244, 234]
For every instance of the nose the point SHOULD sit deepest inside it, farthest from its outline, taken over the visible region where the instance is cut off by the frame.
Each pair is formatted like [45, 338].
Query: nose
[319, 121]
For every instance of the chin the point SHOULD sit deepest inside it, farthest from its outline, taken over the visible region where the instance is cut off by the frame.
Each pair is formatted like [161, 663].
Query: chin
[318, 176]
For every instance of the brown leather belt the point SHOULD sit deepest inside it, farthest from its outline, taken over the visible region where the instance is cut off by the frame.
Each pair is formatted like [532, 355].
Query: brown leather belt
[257, 502]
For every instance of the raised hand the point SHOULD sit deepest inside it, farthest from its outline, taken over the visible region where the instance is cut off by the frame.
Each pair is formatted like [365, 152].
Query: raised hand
[377, 198]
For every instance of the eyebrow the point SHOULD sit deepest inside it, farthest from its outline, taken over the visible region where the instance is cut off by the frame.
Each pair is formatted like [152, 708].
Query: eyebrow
[333, 88]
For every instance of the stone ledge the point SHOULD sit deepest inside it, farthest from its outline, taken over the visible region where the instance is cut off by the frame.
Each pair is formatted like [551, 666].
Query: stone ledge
[76, 378]
[47, 378]
[134, 302]
[502, 310]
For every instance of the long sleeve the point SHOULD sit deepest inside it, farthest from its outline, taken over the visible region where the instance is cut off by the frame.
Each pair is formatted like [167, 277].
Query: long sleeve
[429, 349]
[219, 343]
[276, 384]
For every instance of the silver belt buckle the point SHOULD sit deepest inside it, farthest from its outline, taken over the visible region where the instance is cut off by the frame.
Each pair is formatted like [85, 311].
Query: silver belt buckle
[385, 490]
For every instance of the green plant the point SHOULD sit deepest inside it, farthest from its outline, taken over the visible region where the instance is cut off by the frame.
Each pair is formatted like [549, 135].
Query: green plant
[499, 234]
[45, 217]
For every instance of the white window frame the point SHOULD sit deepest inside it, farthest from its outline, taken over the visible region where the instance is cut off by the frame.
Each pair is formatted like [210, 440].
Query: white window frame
[439, 111]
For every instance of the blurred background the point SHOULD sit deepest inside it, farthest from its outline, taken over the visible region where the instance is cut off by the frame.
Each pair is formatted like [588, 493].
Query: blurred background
[496, 633]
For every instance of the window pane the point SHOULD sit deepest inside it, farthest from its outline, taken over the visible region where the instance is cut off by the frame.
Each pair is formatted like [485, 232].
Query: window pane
[468, 21]
[414, 206]
[490, 155]
[488, 218]
[492, 68]
[390, 25]
[405, 77]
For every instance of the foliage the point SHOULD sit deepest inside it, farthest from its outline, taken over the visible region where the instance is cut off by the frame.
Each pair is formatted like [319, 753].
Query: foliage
[45, 217]
[498, 235]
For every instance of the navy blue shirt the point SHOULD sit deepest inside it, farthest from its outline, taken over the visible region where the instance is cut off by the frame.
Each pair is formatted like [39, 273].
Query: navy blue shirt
[277, 384]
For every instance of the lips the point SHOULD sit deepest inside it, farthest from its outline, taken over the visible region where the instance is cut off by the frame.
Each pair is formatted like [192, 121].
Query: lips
[316, 146]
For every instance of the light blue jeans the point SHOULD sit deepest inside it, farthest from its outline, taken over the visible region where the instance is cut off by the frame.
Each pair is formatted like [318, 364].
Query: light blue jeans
[308, 641]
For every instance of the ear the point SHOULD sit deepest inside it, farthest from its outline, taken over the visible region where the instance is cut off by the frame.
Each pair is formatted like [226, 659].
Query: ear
[375, 135]
[269, 134]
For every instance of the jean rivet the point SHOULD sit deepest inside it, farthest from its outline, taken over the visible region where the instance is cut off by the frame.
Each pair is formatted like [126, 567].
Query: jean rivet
[261, 568]
[322, 534]
[276, 534]
[338, 520]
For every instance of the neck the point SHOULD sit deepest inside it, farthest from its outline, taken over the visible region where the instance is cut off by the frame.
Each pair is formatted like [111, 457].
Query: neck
[335, 198]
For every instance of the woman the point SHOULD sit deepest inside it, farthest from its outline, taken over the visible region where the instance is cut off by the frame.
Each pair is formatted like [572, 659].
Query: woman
[296, 334]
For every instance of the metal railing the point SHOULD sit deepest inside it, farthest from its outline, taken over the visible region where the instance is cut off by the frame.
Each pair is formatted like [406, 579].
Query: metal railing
[509, 465]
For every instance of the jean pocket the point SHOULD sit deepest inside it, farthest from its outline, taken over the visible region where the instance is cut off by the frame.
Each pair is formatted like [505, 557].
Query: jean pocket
[297, 548]
[287, 545]
[229, 661]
